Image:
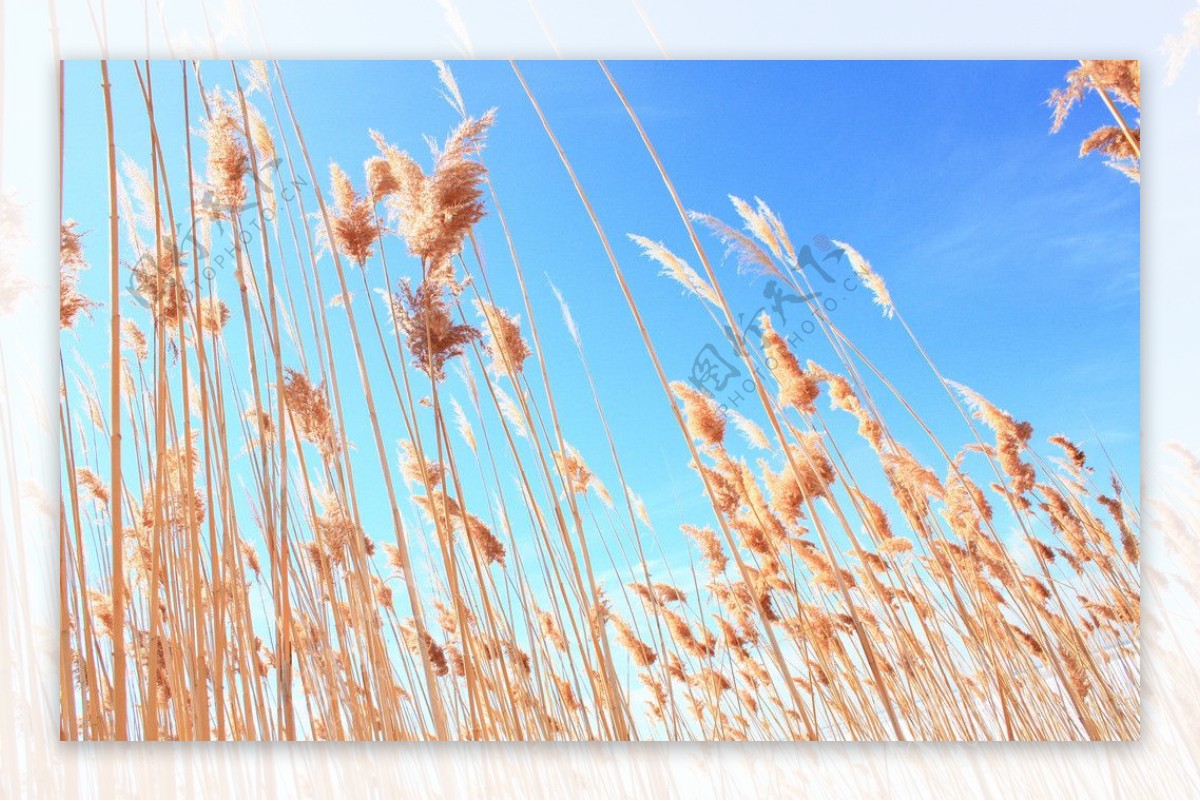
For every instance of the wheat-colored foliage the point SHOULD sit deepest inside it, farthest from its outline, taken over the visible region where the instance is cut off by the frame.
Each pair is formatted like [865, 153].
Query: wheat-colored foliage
[473, 577]
[1114, 81]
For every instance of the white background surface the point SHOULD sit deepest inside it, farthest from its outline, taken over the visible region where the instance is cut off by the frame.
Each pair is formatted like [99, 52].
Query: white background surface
[35, 34]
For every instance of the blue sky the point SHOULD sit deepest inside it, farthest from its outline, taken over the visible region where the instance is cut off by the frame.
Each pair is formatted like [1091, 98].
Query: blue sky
[1015, 261]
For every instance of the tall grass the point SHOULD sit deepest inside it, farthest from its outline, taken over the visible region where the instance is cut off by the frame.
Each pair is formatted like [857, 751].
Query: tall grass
[218, 580]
